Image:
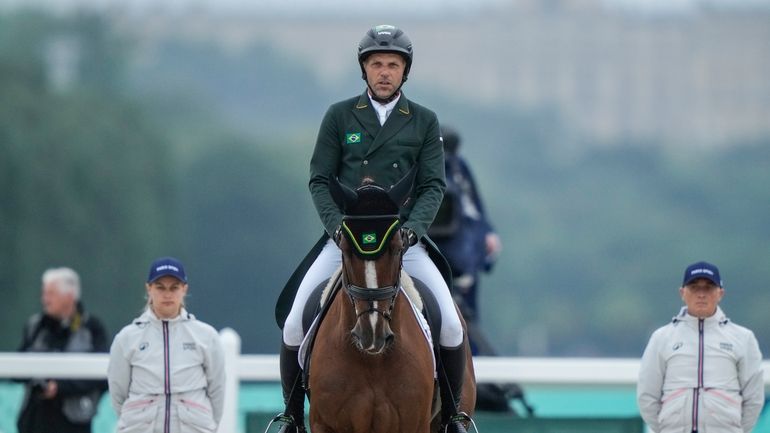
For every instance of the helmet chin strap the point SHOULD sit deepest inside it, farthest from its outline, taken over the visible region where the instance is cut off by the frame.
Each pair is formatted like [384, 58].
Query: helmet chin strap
[387, 100]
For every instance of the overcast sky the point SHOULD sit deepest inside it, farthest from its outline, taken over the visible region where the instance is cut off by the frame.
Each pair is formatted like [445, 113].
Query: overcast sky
[331, 6]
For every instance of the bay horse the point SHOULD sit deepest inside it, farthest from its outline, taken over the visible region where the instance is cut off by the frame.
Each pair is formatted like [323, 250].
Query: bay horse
[371, 369]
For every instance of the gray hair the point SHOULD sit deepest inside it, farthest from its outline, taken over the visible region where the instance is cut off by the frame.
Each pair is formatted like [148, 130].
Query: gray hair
[66, 279]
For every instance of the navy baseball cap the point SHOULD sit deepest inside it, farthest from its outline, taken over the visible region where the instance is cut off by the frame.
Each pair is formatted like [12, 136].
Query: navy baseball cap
[167, 266]
[702, 270]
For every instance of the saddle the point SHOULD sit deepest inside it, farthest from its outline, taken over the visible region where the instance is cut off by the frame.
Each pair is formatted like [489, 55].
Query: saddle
[321, 299]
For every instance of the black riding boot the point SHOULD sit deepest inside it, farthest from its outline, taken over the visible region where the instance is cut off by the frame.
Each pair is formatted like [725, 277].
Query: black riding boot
[293, 392]
[453, 366]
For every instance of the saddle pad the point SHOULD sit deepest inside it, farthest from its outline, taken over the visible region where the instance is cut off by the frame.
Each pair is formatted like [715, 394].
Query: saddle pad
[425, 331]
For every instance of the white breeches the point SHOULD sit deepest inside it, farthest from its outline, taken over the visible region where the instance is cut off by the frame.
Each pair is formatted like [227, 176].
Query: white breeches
[416, 263]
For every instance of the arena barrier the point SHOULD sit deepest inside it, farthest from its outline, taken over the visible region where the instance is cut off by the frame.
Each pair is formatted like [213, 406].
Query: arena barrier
[577, 372]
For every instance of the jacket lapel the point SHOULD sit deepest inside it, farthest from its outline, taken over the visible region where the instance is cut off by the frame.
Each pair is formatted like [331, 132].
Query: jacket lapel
[400, 116]
[365, 114]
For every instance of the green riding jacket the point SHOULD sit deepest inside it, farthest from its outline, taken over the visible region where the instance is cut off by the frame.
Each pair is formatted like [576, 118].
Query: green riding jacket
[352, 145]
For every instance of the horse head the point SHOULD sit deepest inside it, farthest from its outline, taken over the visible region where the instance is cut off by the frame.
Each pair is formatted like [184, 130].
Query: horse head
[372, 249]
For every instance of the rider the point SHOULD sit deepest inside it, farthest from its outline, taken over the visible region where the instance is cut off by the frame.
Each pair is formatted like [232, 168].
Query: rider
[381, 135]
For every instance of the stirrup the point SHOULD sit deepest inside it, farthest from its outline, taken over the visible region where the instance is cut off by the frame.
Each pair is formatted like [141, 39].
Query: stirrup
[460, 418]
[288, 423]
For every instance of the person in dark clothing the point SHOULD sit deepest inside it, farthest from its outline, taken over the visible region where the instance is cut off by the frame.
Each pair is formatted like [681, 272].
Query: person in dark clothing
[54, 405]
[463, 233]
[462, 230]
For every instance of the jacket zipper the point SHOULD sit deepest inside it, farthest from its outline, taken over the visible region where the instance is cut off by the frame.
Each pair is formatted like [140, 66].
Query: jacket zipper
[696, 391]
[167, 381]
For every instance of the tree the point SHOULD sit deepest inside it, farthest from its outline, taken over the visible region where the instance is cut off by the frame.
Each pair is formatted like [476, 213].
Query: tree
[85, 179]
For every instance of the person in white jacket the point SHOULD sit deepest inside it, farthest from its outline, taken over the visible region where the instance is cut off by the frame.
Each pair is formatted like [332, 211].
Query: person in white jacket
[166, 371]
[701, 372]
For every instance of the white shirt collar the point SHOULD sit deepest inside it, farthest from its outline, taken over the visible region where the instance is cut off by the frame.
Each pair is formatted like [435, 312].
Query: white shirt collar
[383, 110]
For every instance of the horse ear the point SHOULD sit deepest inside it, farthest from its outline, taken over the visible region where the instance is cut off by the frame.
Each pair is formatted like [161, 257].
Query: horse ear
[400, 192]
[342, 195]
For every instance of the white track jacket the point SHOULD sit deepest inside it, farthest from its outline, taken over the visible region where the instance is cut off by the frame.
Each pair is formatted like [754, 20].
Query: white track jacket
[167, 376]
[701, 372]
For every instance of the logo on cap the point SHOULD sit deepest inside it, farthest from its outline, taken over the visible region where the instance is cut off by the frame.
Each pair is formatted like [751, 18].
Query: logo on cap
[384, 29]
[702, 270]
[166, 266]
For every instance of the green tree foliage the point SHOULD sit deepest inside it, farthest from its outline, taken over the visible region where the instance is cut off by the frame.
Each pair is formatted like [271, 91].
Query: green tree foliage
[249, 223]
[207, 160]
[256, 90]
[597, 242]
[90, 180]
[84, 177]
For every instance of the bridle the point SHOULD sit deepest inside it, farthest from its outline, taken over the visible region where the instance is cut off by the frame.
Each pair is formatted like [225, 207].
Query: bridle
[371, 295]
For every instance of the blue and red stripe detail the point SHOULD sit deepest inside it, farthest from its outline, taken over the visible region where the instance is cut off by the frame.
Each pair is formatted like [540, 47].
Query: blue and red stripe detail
[696, 391]
[167, 380]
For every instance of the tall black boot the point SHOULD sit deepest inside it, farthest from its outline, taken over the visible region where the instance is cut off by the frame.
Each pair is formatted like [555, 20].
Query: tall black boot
[451, 386]
[293, 417]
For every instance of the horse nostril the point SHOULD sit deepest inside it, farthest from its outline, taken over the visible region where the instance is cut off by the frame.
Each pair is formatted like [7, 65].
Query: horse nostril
[361, 338]
[389, 339]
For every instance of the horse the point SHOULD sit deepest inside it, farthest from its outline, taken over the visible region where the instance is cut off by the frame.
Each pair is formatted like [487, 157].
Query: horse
[371, 369]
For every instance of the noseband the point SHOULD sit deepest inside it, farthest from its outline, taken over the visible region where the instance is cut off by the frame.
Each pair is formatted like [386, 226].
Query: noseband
[372, 295]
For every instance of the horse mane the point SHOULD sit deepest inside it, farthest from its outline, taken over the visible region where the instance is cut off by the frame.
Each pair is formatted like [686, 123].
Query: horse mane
[411, 291]
[330, 286]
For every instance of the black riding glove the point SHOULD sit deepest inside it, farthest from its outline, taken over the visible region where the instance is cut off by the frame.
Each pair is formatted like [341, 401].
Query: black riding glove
[337, 235]
[408, 236]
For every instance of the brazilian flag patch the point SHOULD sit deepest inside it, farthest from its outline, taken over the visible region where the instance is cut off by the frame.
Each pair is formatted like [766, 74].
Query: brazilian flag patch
[369, 238]
[352, 138]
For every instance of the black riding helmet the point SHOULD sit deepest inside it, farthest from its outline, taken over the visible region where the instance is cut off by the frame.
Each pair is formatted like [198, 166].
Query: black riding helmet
[385, 39]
